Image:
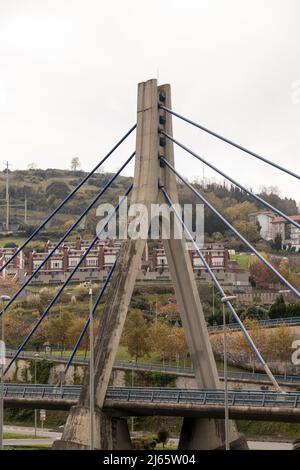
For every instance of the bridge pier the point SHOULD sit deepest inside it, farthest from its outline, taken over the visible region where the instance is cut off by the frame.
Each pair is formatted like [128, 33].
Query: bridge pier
[110, 433]
[206, 434]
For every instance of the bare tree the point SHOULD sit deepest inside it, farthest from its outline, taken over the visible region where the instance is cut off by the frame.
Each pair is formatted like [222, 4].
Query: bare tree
[75, 164]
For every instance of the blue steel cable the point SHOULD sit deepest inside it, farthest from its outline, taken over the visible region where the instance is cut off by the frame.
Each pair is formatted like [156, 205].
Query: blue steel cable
[108, 184]
[98, 300]
[42, 225]
[230, 142]
[243, 188]
[37, 324]
[220, 289]
[234, 230]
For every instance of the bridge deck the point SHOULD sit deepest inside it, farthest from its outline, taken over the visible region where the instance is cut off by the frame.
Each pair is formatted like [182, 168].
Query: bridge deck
[258, 405]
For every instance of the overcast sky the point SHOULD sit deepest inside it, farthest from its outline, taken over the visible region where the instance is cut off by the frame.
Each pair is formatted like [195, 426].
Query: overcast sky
[69, 71]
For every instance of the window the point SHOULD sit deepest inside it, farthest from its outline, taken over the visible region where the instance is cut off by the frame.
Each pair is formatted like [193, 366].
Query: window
[92, 262]
[217, 262]
[57, 264]
[36, 264]
[73, 262]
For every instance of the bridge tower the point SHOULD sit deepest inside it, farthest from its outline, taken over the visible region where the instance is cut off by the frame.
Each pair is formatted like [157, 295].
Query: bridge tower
[112, 432]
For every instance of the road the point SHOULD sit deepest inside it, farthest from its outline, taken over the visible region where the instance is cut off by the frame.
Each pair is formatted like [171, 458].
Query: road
[46, 437]
[262, 445]
[49, 437]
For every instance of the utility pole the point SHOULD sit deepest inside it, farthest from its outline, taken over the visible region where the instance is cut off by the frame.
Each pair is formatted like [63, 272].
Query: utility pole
[25, 210]
[36, 356]
[92, 385]
[3, 298]
[213, 303]
[7, 197]
[226, 420]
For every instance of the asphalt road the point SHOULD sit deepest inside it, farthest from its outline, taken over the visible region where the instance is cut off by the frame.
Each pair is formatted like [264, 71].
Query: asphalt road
[261, 445]
[49, 437]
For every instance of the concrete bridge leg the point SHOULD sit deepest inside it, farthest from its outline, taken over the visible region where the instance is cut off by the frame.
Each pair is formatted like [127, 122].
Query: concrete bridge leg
[208, 434]
[110, 433]
[196, 433]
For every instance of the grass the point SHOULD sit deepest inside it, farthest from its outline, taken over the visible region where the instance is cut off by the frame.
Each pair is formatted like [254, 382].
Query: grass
[122, 355]
[15, 435]
[17, 240]
[243, 260]
[32, 447]
[265, 429]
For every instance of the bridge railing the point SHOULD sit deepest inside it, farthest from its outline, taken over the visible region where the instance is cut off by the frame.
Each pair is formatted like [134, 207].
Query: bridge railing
[166, 369]
[205, 397]
[161, 395]
[290, 321]
[41, 391]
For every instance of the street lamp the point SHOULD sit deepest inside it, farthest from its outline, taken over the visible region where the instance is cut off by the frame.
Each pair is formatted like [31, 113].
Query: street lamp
[3, 299]
[213, 302]
[92, 385]
[36, 356]
[2, 361]
[224, 300]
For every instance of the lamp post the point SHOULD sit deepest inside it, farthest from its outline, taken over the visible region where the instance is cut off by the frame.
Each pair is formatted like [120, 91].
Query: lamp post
[132, 382]
[213, 302]
[226, 421]
[2, 362]
[36, 356]
[92, 386]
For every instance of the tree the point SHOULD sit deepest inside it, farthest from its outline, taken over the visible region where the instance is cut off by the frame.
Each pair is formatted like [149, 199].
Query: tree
[136, 335]
[59, 189]
[75, 330]
[249, 230]
[32, 166]
[277, 245]
[160, 335]
[163, 436]
[240, 211]
[178, 346]
[280, 344]
[75, 164]
[57, 330]
[16, 328]
[261, 275]
[278, 309]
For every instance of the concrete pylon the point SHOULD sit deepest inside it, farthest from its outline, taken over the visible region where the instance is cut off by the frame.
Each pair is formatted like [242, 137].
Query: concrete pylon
[196, 434]
[112, 433]
[145, 191]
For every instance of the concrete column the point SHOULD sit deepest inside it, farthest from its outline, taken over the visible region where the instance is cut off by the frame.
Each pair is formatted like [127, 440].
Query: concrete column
[145, 191]
[110, 433]
[196, 433]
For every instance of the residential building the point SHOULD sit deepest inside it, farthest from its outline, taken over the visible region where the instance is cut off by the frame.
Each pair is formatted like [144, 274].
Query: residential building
[290, 235]
[15, 269]
[264, 219]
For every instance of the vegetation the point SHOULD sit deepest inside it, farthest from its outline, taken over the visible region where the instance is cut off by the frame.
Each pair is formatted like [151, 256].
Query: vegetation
[163, 436]
[256, 429]
[45, 189]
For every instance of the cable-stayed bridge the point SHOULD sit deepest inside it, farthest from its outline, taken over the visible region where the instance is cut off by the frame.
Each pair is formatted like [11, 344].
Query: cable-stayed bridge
[155, 182]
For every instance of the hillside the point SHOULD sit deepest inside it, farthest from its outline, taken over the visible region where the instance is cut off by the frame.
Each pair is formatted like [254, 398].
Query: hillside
[45, 189]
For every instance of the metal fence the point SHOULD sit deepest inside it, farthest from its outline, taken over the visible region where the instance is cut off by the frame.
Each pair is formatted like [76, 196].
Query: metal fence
[255, 398]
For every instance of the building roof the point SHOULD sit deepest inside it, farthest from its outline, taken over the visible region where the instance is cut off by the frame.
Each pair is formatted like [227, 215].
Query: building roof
[266, 212]
[280, 220]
